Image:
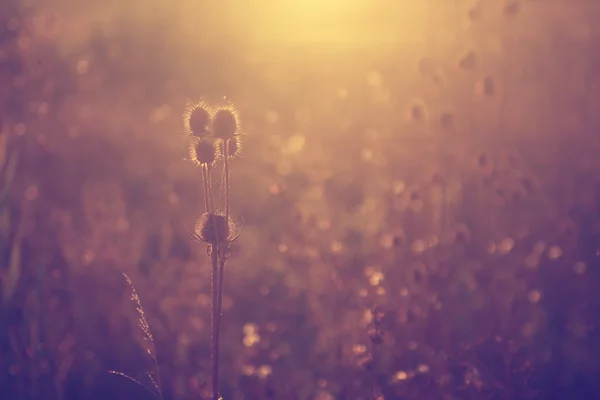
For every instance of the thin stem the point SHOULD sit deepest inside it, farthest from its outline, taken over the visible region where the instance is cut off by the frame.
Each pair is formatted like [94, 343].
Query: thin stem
[214, 323]
[219, 300]
[211, 204]
[221, 252]
[206, 186]
[221, 274]
[227, 195]
[214, 258]
[223, 183]
[444, 205]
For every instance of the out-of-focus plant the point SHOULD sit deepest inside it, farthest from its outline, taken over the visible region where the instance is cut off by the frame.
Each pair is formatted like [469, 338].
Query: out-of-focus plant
[10, 251]
[10, 254]
[369, 361]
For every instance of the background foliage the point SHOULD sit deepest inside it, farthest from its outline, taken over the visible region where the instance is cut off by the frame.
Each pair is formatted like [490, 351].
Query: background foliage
[452, 181]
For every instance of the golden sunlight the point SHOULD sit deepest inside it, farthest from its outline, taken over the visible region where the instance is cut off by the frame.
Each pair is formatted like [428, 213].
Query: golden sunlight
[330, 22]
[299, 199]
[350, 22]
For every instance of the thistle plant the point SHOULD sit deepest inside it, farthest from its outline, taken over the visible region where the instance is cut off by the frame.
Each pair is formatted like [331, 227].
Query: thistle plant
[214, 135]
[214, 139]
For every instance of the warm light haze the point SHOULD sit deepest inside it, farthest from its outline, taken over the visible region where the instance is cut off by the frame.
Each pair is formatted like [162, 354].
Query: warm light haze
[299, 200]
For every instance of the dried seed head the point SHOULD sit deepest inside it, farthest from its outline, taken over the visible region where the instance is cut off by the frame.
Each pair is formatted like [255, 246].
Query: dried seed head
[376, 336]
[461, 234]
[438, 179]
[196, 119]
[489, 87]
[234, 146]
[482, 160]
[377, 314]
[204, 151]
[486, 87]
[225, 122]
[474, 12]
[467, 61]
[447, 120]
[527, 185]
[213, 228]
[417, 111]
[366, 362]
[511, 8]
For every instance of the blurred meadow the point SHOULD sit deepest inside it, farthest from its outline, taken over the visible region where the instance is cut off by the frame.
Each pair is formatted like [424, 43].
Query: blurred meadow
[418, 194]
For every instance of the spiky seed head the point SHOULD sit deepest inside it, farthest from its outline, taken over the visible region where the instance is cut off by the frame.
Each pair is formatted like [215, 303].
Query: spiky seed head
[447, 120]
[467, 61]
[527, 185]
[234, 146]
[486, 87]
[417, 111]
[366, 361]
[204, 152]
[489, 87]
[438, 179]
[225, 123]
[482, 160]
[461, 234]
[376, 336]
[213, 228]
[474, 13]
[511, 8]
[196, 119]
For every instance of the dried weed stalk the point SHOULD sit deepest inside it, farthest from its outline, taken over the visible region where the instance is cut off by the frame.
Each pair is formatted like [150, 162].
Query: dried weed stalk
[215, 137]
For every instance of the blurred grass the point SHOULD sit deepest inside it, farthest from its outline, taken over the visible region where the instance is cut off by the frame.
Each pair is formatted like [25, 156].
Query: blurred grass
[10, 247]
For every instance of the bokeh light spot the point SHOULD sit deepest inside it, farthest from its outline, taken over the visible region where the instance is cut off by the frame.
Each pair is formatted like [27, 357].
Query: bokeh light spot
[534, 296]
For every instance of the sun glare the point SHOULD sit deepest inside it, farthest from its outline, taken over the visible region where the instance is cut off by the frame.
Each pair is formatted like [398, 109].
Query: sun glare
[328, 22]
